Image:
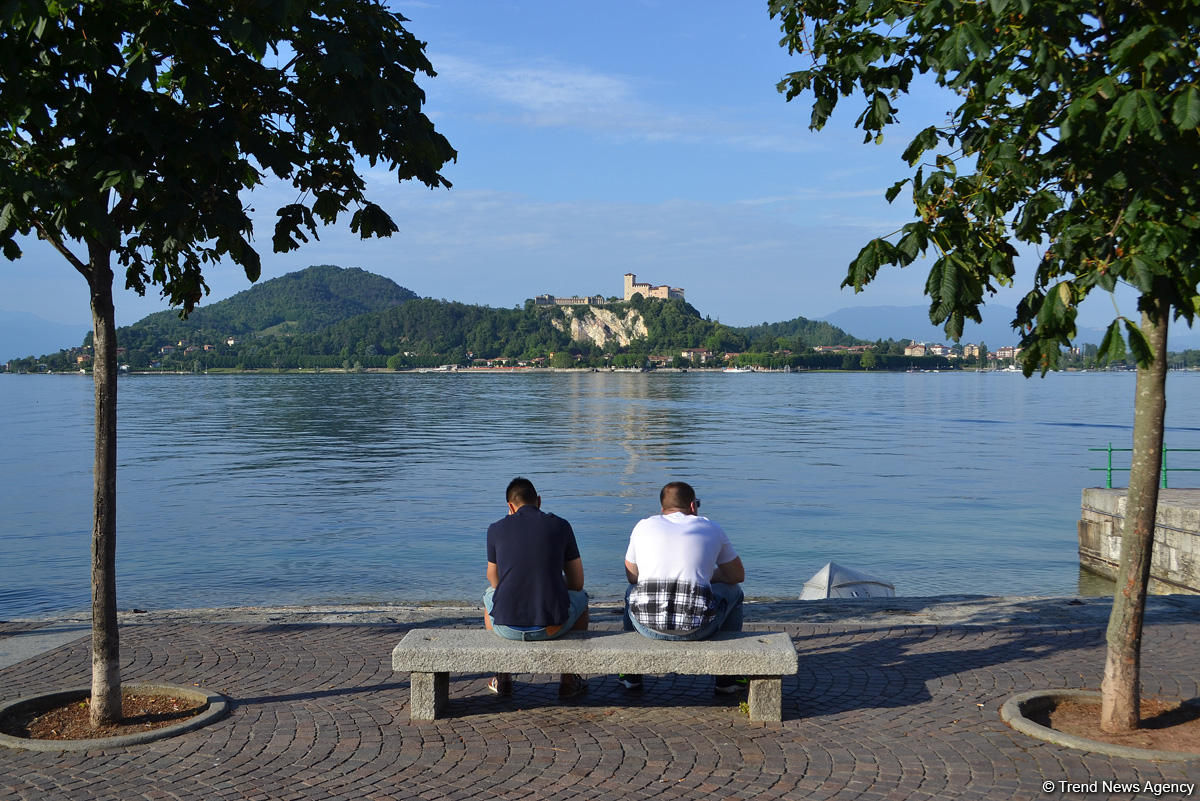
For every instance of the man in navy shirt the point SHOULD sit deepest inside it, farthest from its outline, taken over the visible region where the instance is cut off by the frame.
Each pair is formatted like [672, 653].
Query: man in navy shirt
[536, 578]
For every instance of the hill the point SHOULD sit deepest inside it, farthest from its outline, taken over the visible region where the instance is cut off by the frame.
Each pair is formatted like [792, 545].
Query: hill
[296, 303]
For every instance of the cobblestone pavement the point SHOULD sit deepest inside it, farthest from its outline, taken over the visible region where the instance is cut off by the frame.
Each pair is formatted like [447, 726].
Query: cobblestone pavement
[874, 712]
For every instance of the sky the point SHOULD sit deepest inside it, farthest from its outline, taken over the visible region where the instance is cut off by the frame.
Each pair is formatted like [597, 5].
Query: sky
[596, 139]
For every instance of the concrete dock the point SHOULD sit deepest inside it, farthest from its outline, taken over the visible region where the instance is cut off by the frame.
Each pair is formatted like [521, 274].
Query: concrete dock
[895, 698]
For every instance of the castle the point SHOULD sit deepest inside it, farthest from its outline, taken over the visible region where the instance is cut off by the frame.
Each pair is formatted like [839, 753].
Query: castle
[647, 291]
[632, 287]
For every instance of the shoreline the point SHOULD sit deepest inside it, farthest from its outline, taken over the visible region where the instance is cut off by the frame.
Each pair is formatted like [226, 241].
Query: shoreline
[941, 610]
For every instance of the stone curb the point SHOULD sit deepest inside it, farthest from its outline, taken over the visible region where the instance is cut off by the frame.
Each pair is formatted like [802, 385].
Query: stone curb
[217, 707]
[1015, 710]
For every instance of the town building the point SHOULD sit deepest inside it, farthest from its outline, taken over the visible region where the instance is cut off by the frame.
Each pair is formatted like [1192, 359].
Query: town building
[647, 291]
[915, 349]
[551, 300]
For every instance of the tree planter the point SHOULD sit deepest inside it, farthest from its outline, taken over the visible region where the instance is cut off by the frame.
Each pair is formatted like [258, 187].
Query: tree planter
[216, 706]
[1017, 710]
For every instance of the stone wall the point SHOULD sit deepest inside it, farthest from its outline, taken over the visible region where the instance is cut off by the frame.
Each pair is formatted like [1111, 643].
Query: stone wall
[1175, 563]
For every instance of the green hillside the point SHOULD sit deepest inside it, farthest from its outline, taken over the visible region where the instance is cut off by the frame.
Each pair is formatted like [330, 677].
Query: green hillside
[299, 302]
[330, 317]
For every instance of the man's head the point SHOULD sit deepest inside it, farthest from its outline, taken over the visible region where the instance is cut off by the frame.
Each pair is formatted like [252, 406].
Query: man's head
[678, 497]
[520, 493]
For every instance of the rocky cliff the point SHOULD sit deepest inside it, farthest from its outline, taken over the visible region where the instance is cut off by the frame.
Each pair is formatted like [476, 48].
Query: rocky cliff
[602, 326]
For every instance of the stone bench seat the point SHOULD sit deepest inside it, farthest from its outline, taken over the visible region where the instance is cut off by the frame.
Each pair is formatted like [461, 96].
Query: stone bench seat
[431, 655]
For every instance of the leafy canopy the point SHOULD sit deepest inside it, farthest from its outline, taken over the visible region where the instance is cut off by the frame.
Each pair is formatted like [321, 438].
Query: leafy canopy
[134, 125]
[1076, 130]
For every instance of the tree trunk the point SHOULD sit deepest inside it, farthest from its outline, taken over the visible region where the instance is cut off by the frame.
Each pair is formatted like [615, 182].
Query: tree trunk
[1121, 705]
[106, 661]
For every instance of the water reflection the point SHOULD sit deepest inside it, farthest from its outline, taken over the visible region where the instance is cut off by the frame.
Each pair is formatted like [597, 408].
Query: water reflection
[331, 487]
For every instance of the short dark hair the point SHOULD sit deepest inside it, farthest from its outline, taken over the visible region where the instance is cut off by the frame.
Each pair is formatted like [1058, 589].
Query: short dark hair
[676, 495]
[520, 492]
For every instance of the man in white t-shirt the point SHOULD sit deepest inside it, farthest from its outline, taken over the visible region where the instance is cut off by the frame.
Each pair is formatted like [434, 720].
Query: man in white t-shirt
[684, 577]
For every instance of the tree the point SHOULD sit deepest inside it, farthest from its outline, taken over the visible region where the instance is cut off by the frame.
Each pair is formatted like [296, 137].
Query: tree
[1073, 128]
[868, 361]
[131, 128]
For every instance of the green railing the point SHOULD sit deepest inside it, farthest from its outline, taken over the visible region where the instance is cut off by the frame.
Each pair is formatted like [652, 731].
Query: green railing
[1110, 450]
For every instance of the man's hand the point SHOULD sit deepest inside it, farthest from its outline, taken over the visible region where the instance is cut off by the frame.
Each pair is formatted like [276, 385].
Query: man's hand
[732, 572]
[631, 572]
[573, 572]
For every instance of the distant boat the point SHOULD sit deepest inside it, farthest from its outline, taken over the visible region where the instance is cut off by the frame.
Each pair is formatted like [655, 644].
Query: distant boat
[737, 370]
[835, 581]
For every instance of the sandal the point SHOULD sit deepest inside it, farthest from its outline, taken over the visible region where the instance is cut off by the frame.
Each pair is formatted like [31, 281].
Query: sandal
[571, 685]
[501, 684]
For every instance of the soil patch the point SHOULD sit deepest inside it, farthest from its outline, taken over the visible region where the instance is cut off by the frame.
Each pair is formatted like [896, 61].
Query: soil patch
[70, 721]
[1166, 725]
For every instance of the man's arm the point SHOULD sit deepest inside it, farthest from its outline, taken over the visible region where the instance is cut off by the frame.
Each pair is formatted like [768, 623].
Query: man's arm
[732, 572]
[631, 572]
[573, 571]
[493, 575]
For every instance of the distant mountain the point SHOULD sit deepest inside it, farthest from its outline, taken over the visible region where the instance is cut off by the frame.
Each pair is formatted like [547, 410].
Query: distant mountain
[296, 303]
[23, 334]
[912, 322]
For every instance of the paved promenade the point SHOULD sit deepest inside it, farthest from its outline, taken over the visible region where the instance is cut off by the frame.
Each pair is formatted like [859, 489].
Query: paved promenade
[894, 699]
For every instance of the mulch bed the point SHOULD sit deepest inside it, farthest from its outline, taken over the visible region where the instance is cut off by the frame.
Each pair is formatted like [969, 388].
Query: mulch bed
[1166, 725]
[71, 722]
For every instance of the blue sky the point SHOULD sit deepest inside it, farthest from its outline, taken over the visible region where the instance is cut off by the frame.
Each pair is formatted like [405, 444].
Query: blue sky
[595, 140]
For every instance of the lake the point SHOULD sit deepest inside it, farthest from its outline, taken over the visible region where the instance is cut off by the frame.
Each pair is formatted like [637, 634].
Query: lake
[319, 488]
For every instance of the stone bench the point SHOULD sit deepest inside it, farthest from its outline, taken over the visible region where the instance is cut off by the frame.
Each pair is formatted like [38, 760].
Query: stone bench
[430, 655]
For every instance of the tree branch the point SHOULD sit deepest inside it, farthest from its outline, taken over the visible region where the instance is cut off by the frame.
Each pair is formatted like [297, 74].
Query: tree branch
[51, 237]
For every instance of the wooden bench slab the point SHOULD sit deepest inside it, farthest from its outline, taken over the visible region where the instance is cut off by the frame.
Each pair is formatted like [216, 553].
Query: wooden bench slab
[430, 655]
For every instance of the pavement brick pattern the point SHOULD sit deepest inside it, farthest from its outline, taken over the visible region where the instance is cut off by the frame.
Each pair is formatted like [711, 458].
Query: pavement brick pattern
[881, 713]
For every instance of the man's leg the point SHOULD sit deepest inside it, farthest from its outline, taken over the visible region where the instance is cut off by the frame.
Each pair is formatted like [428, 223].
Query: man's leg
[502, 683]
[729, 606]
[728, 618]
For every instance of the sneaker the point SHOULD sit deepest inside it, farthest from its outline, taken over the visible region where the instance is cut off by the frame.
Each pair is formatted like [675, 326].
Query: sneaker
[728, 685]
[501, 685]
[631, 681]
[571, 685]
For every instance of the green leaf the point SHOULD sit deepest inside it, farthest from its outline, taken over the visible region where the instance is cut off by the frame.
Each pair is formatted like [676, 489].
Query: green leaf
[914, 242]
[925, 140]
[1138, 344]
[1185, 112]
[1138, 110]
[1112, 346]
[891, 193]
[864, 268]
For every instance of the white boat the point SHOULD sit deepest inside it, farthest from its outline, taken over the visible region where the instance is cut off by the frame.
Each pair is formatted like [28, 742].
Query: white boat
[835, 581]
[737, 370]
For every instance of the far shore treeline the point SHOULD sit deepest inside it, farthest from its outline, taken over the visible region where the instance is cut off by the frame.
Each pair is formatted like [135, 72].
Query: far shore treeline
[329, 317]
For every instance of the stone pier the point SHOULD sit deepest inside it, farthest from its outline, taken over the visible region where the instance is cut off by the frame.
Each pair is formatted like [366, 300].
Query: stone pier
[1175, 563]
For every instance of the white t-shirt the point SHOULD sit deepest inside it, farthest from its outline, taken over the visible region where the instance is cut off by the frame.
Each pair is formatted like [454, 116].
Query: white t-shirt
[675, 556]
[679, 547]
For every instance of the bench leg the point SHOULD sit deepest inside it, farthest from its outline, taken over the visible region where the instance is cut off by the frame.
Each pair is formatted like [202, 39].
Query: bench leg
[428, 694]
[766, 698]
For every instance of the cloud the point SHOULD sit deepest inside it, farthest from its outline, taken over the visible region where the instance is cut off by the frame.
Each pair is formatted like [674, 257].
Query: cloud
[546, 93]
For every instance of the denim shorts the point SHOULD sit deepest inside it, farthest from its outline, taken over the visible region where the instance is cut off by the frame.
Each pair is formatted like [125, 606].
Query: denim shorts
[579, 605]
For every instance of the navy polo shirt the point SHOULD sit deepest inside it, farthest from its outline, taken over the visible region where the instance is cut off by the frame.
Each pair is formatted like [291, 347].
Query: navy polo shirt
[529, 549]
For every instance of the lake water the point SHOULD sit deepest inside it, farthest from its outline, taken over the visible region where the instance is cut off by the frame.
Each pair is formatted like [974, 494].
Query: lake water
[283, 489]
